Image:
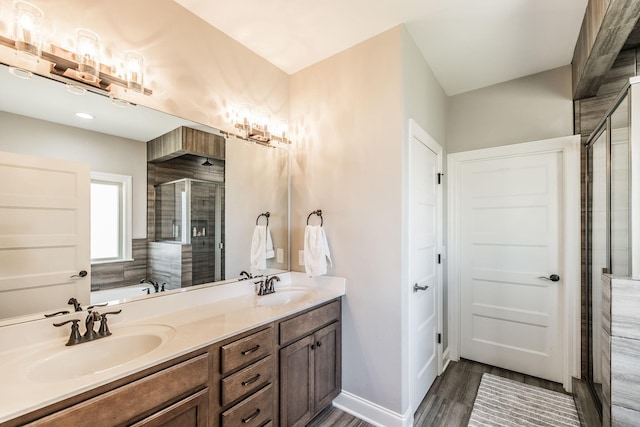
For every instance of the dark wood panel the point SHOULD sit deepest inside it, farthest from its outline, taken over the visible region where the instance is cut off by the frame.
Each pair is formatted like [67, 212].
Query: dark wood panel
[327, 365]
[605, 29]
[124, 404]
[296, 383]
[309, 322]
[192, 411]
[247, 350]
[252, 412]
[246, 381]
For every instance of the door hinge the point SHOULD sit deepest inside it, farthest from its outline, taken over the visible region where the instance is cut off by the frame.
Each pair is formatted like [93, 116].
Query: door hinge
[440, 175]
[439, 338]
[439, 258]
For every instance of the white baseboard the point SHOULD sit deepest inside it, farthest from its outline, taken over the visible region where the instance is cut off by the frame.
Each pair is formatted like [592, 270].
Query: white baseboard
[371, 412]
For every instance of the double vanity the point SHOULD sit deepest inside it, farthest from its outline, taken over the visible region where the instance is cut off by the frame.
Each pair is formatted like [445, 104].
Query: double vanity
[218, 355]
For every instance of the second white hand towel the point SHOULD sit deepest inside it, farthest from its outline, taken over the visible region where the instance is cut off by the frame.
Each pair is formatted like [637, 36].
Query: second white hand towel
[316, 251]
[261, 247]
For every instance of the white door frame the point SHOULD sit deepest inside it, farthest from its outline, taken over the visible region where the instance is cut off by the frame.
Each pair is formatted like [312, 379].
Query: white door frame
[415, 131]
[569, 147]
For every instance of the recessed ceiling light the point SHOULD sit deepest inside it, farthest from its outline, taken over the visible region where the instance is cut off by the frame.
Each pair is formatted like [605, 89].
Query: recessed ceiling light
[85, 116]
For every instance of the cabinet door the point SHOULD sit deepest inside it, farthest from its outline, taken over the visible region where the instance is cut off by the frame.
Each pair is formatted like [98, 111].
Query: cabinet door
[192, 411]
[296, 383]
[327, 365]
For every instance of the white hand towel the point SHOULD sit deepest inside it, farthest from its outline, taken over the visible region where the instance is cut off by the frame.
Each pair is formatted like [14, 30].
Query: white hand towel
[270, 253]
[259, 247]
[316, 251]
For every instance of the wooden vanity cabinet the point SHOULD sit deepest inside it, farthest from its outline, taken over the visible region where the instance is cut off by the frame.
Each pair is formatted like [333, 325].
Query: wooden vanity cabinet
[168, 395]
[310, 363]
[245, 378]
[279, 374]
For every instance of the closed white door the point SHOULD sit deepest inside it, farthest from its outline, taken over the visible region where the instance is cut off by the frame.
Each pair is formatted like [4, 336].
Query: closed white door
[510, 245]
[44, 234]
[424, 272]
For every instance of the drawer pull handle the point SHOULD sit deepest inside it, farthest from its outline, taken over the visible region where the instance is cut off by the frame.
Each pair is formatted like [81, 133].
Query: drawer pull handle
[251, 350]
[252, 416]
[250, 381]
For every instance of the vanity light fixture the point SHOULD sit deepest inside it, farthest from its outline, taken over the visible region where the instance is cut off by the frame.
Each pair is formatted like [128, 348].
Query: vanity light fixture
[27, 30]
[87, 55]
[134, 70]
[257, 126]
[79, 67]
[85, 116]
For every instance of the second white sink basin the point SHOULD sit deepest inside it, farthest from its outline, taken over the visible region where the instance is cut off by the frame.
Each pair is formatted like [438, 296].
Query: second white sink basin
[100, 355]
[285, 296]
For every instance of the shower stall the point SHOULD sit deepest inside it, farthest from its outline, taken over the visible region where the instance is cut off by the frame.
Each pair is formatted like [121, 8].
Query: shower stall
[190, 212]
[612, 232]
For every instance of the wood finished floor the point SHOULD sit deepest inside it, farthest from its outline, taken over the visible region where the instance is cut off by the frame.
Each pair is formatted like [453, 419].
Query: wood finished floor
[449, 400]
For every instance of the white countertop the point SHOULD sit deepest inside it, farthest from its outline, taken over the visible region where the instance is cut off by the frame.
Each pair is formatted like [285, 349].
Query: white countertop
[189, 320]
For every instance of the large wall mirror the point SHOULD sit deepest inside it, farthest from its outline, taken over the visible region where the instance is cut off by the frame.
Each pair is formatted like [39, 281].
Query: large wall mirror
[202, 210]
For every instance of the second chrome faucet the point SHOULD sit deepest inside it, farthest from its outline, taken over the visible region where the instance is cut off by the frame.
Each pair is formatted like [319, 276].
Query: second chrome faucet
[266, 286]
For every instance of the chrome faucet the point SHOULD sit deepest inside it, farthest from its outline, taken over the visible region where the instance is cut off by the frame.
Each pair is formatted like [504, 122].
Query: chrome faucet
[156, 285]
[267, 285]
[90, 333]
[244, 275]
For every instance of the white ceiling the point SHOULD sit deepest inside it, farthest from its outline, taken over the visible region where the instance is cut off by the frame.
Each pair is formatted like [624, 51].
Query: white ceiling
[468, 44]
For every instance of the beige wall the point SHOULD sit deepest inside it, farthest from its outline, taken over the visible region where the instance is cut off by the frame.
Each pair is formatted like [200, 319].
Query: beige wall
[195, 71]
[347, 162]
[526, 109]
[103, 153]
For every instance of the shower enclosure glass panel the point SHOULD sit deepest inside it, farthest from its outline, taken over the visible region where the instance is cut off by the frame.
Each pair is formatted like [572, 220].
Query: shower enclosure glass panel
[612, 235]
[190, 212]
[597, 231]
[620, 187]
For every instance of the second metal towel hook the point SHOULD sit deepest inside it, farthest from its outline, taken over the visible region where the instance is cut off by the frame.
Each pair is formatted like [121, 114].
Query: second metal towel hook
[266, 215]
[317, 212]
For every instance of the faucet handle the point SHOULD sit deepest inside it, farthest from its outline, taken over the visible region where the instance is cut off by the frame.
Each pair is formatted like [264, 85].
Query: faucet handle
[262, 288]
[91, 307]
[104, 327]
[75, 337]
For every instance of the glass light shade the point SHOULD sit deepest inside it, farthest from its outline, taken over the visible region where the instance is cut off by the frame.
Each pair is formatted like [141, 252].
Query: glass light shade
[87, 55]
[27, 30]
[134, 69]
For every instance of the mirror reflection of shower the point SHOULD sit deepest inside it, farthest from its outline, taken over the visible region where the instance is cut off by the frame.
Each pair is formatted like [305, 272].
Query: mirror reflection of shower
[189, 224]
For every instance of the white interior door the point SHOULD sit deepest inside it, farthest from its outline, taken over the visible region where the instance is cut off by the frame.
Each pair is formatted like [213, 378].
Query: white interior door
[424, 270]
[511, 239]
[44, 233]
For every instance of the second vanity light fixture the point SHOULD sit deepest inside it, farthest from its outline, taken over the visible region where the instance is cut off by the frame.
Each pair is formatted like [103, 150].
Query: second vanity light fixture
[257, 125]
[80, 67]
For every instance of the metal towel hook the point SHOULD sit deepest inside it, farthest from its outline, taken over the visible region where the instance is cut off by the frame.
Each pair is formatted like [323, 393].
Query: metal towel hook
[316, 212]
[266, 215]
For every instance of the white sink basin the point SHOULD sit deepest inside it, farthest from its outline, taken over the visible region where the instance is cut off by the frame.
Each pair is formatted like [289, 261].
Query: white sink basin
[100, 355]
[284, 296]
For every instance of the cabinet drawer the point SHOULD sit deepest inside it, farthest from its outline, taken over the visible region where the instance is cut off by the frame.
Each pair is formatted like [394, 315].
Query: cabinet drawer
[246, 350]
[252, 412]
[308, 322]
[246, 381]
[130, 401]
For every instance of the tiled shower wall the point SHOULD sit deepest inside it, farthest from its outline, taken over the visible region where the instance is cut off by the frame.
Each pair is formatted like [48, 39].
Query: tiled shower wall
[117, 274]
[587, 114]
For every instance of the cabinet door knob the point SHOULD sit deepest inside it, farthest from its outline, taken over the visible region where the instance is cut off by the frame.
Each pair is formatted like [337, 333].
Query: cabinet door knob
[313, 346]
[318, 343]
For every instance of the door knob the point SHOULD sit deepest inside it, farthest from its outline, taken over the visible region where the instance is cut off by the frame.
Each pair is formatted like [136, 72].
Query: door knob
[82, 273]
[552, 278]
[417, 288]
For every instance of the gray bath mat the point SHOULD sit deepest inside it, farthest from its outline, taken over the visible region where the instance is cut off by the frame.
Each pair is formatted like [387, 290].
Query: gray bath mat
[503, 402]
